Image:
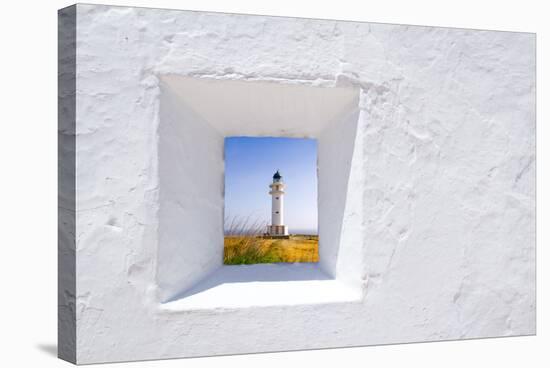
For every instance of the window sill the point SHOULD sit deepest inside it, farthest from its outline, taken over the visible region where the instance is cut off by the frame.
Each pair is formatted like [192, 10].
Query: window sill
[263, 285]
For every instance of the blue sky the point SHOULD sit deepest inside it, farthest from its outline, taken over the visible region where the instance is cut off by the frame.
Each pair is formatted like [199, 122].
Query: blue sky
[250, 163]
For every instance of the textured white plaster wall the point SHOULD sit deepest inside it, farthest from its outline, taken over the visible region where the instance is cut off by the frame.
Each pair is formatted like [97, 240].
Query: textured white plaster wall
[443, 175]
[336, 150]
[66, 214]
[190, 197]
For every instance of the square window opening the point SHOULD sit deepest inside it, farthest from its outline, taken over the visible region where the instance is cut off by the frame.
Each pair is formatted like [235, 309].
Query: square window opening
[192, 137]
[270, 200]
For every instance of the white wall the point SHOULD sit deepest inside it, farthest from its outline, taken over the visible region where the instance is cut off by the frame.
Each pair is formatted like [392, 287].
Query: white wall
[191, 204]
[444, 181]
[336, 148]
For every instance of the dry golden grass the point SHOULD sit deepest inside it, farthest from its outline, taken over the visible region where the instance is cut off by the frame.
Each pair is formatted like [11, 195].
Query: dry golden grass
[244, 244]
[250, 249]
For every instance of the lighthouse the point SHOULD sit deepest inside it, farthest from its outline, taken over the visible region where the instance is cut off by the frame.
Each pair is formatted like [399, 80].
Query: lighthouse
[277, 192]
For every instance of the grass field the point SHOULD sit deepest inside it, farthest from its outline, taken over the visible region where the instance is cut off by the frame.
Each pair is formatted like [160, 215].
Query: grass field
[251, 249]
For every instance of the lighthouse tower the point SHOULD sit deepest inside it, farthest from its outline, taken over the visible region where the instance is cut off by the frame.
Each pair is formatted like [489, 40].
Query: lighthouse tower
[277, 219]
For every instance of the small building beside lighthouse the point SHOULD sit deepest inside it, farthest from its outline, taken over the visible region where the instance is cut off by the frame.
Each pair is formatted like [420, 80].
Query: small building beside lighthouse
[277, 192]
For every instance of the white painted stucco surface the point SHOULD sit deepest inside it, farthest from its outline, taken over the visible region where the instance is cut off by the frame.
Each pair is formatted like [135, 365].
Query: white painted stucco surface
[436, 217]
